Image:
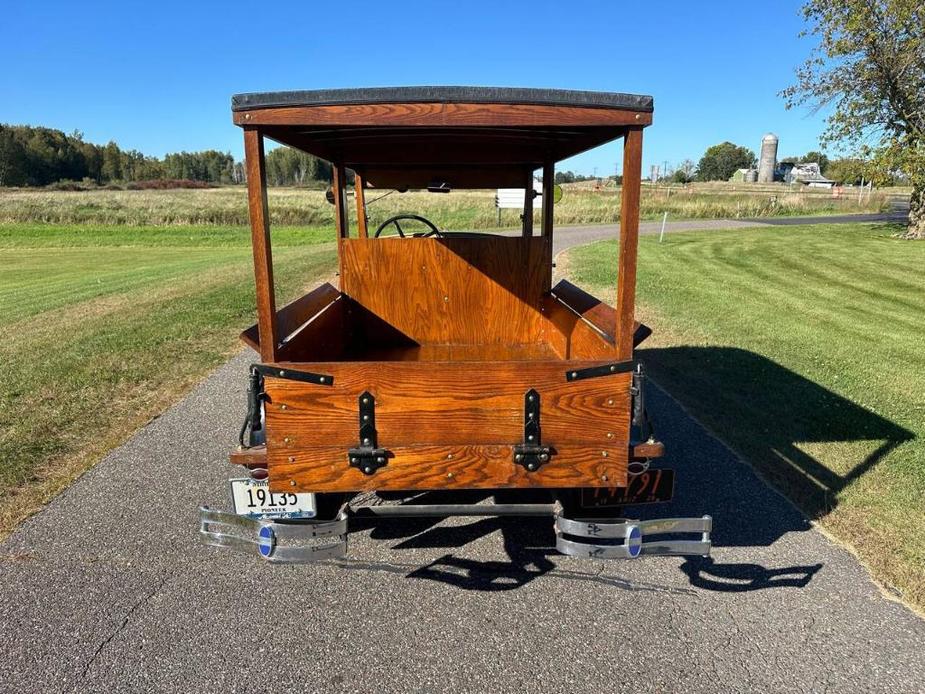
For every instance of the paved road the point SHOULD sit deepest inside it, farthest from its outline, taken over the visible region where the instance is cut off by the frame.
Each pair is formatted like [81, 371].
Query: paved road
[108, 589]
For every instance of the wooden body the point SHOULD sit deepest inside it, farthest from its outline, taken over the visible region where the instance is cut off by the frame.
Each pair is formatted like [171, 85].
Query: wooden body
[447, 334]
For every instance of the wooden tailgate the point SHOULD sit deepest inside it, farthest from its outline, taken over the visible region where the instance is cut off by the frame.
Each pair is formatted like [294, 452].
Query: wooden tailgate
[447, 425]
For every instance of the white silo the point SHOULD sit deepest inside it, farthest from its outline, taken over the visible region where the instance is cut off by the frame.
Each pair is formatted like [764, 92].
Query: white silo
[767, 161]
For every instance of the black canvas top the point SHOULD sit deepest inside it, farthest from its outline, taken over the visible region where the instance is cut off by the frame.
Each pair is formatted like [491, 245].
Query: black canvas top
[469, 95]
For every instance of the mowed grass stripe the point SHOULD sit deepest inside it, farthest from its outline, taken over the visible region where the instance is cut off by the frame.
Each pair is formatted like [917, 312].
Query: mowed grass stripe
[39, 280]
[804, 349]
[113, 337]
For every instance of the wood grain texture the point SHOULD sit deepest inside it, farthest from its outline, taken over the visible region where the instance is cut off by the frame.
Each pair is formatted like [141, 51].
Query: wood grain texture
[647, 449]
[428, 406]
[294, 315]
[629, 242]
[447, 402]
[260, 241]
[441, 115]
[424, 467]
[249, 457]
[572, 336]
[465, 291]
[590, 308]
[322, 339]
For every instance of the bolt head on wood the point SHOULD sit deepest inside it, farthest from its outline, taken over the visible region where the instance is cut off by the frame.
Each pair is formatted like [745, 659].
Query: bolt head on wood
[291, 483]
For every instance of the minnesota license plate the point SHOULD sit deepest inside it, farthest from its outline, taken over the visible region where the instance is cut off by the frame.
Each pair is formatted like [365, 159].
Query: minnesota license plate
[650, 487]
[253, 498]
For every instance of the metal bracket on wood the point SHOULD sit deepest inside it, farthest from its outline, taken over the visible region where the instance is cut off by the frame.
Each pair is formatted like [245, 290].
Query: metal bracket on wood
[367, 456]
[293, 375]
[620, 367]
[531, 453]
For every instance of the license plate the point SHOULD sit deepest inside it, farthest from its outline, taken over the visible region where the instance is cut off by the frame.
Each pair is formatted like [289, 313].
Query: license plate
[650, 487]
[253, 498]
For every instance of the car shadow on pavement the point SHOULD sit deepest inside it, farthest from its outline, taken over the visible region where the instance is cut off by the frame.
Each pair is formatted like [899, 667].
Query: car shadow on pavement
[742, 397]
[777, 419]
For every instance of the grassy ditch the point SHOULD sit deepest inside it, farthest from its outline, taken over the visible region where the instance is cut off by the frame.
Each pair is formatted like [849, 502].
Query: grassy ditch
[803, 348]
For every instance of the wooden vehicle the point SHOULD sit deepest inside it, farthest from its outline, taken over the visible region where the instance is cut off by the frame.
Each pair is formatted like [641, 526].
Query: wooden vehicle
[445, 360]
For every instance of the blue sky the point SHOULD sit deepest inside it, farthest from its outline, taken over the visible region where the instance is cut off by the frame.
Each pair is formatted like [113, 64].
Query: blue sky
[158, 76]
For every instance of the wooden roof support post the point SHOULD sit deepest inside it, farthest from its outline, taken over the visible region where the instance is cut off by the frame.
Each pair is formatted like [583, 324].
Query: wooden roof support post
[549, 183]
[528, 205]
[360, 195]
[629, 241]
[338, 184]
[260, 239]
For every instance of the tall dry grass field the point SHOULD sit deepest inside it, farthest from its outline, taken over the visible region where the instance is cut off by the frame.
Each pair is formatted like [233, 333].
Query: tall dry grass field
[458, 210]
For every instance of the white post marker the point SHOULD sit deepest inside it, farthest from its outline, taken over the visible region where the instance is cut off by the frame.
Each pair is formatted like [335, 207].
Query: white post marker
[662, 233]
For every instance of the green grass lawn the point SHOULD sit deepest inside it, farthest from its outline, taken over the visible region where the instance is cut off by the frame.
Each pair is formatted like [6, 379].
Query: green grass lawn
[105, 326]
[804, 349]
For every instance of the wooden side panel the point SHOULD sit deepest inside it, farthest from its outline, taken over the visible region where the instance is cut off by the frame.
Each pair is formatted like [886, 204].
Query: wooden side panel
[600, 315]
[484, 291]
[573, 337]
[324, 338]
[424, 407]
[594, 311]
[293, 315]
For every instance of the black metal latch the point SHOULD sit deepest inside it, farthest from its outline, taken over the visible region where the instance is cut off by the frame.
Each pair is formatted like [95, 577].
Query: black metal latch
[293, 374]
[367, 456]
[531, 453]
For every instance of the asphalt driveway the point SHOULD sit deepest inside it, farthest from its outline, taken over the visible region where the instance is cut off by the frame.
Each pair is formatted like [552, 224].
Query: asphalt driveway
[109, 589]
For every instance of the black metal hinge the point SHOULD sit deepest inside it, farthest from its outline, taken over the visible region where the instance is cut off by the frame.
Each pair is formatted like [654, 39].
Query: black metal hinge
[620, 367]
[532, 454]
[293, 375]
[367, 456]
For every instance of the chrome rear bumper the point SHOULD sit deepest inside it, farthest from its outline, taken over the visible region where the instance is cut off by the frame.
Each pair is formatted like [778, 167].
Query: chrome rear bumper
[626, 539]
[279, 542]
[298, 542]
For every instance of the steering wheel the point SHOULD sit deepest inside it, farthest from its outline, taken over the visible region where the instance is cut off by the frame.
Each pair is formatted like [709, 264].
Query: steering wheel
[434, 231]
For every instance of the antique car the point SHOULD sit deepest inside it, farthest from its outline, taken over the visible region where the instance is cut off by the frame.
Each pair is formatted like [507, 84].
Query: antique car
[445, 360]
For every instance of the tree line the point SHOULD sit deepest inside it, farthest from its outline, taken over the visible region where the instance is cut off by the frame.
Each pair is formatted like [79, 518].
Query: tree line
[37, 156]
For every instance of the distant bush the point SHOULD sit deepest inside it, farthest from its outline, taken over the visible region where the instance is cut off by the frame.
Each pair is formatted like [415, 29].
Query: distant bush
[167, 184]
[68, 186]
